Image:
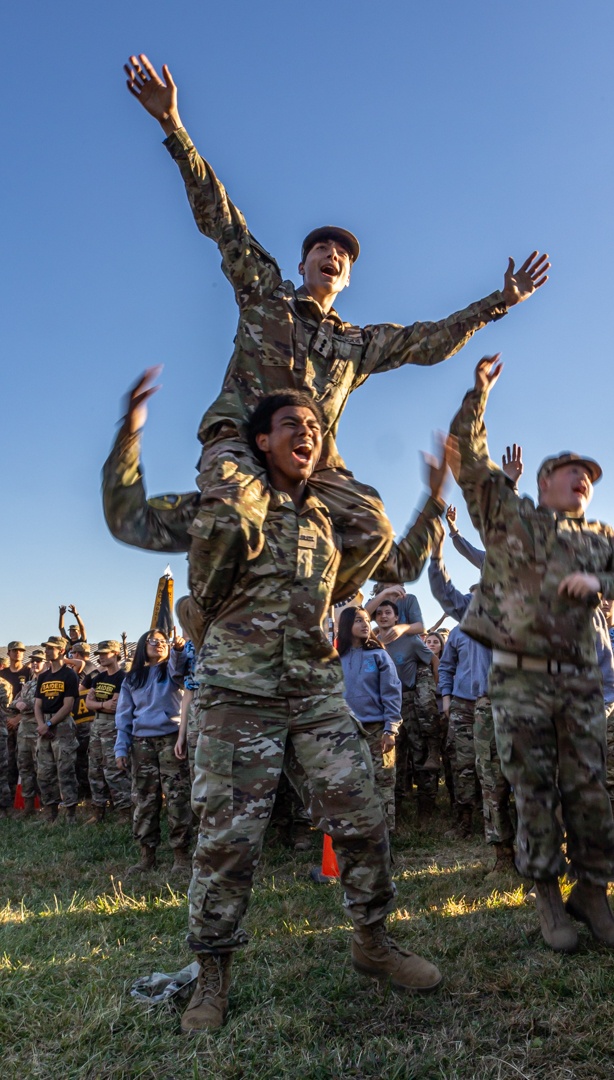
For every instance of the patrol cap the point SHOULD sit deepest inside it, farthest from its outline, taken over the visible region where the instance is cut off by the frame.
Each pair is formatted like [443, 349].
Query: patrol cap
[108, 647]
[332, 232]
[37, 654]
[567, 457]
[54, 642]
[81, 647]
[16, 645]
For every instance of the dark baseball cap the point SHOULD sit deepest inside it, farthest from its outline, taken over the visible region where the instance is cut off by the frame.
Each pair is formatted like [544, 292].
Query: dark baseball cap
[567, 457]
[332, 232]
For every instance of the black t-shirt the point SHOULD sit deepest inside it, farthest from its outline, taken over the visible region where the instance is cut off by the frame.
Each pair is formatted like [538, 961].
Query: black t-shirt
[16, 678]
[105, 685]
[53, 686]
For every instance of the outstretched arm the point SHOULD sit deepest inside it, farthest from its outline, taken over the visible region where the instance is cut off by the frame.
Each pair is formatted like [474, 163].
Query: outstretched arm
[157, 96]
[472, 554]
[389, 346]
[159, 524]
[61, 622]
[80, 623]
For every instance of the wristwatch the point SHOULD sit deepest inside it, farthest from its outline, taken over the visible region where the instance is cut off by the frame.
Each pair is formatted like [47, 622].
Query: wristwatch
[49, 723]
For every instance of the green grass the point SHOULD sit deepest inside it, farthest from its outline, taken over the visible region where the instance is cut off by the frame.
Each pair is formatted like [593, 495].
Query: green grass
[72, 941]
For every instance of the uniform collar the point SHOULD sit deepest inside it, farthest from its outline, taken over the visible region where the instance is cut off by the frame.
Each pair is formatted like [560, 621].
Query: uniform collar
[305, 299]
[281, 500]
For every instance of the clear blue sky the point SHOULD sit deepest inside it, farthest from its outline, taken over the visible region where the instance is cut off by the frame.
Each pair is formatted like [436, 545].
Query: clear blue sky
[446, 135]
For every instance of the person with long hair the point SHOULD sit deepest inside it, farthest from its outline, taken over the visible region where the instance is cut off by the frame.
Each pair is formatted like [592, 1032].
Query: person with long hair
[147, 721]
[373, 692]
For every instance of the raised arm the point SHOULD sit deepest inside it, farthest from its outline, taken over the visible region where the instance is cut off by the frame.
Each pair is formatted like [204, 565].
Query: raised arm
[453, 602]
[472, 554]
[389, 346]
[80, 623]
[250, 269]
[158, 524]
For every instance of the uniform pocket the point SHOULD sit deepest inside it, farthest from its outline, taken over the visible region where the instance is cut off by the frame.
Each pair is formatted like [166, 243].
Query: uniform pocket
[213, 791]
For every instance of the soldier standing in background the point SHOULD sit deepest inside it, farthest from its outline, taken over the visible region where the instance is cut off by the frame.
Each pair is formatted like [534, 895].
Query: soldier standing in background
[27, 735]
[104, 776]
[56, 692]
[534, 608]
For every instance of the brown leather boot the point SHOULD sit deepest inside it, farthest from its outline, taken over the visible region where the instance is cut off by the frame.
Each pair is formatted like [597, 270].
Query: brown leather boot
[589, 904]
[146, 864]
[433, 760]
[182, 861]
[556, 927]
[377, 955]
[97, 817]
[208, 1005]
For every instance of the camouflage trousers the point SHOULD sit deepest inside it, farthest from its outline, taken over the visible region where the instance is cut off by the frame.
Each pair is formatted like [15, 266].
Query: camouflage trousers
[461, 746]
[234, 504]
[609, 717]
[157, 772]
[104, 776]
[498, 828]
[412, 746]
[550, 732]
[13, 771]
[55, 765]
[192, 736]
[384, 770]
[5, 790]
[243, 746]
[83, 731]
[27, 740]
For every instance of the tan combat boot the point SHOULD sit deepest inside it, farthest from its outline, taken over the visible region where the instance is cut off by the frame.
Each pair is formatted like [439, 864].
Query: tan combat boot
[28, 808]
[377, 955]
[147, 862]
[97, 817]
[182, 862]
[589, 904]
[557, 929]
[208, 1005]
[505, 862]
[433, 761]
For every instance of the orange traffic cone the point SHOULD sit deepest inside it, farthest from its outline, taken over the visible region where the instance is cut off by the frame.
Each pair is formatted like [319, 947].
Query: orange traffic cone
[330, 867]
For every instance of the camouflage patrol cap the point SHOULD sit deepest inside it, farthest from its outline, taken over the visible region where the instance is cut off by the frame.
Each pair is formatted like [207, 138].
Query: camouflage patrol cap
[54, 642]
[81, 647]
[37, 654]
[331, 232]
[16, 645]
[109, 646]
[567, 457]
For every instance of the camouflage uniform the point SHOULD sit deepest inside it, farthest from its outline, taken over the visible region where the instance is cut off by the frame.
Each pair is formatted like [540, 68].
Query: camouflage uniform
[416, 710]
[156, 772]
[384, 770]
[270, 695]
[609, 715]
[549, 724]
[27, 739]
[498, 827]
[6, 694]
[104, 776]
[461, 748]
[56, 756]
[284, 339]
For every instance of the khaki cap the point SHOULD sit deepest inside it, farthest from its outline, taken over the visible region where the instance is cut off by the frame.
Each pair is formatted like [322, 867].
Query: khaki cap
[16, 645]
[567, 457]
[54, 642]
[109, 646]
[37, 654]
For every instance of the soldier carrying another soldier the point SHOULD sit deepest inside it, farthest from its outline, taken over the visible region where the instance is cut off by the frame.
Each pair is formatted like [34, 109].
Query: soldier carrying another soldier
[289, 337]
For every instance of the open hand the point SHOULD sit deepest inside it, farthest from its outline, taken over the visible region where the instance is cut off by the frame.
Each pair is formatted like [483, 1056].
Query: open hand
[580, 586]
[158, 98]
[436, 466]
[522, 283]
[511, 463]
[487, 372]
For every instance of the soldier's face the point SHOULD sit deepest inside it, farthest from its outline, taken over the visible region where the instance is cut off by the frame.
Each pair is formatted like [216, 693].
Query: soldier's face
[327, 267]
[293, 445]
[386, 616]
[568, 489]
[433, 643]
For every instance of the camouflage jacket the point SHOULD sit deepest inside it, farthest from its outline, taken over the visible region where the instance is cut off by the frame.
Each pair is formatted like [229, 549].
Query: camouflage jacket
[529, 550]
[6, 695]
[284, 338]
[269, 638]
[27, 694]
